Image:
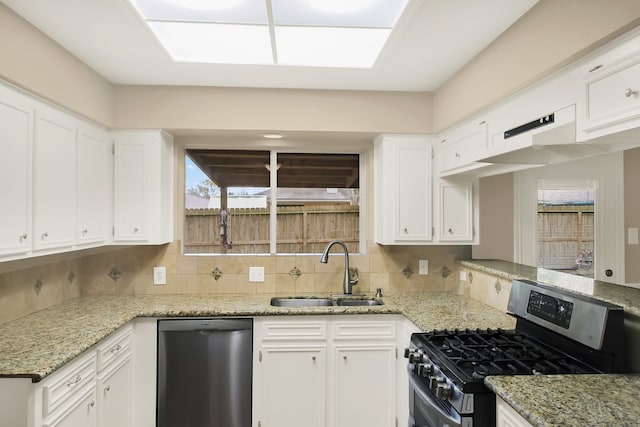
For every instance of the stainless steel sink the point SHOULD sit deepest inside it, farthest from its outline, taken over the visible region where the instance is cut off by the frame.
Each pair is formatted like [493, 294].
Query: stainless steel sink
[300, 302]
[358, 302]
[322, 302]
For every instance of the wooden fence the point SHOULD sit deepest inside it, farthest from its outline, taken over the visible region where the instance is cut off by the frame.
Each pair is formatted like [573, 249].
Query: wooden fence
[300, 229]
[563, 233]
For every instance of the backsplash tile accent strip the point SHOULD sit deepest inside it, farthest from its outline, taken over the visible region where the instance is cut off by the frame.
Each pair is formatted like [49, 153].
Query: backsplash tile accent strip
[295, 273]
[37, 287]
[408, 272]
[216, 273]
[115, 274]
[445, 272]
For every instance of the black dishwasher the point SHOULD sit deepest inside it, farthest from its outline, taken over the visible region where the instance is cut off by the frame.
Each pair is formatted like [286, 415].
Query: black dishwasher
[204, 372]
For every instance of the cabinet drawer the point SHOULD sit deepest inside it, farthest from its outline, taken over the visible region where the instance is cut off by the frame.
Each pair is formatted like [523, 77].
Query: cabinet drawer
[364, 330]
[62, 385]
[114, 347]
[613, 94]
[295, 330]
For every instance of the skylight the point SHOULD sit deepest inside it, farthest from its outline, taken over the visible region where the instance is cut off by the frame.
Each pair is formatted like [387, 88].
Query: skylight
[314, 33]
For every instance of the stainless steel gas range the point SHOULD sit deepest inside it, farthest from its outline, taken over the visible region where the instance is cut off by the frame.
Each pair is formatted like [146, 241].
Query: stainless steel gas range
[557, 332]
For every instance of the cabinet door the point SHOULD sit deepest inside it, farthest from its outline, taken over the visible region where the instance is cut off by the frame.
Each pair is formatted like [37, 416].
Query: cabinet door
[456, 211]
[507, 416]
[114, 397]
[365, 385]
[292, 389]
[130, 184]
[16, 122]
[82, 413]
[54, 181]
[94, 189]
[143, 187]
[413, 192]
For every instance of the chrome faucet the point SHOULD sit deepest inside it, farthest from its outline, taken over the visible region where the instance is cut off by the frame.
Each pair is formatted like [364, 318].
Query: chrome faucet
[347, 282]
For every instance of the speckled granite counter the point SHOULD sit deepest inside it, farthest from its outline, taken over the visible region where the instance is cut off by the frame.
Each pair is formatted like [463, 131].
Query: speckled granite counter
[625, 296]
[572, 400]
[36, 345]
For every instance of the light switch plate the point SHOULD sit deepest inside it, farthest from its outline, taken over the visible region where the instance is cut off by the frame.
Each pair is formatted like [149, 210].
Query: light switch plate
[256, 274]
[423, 266]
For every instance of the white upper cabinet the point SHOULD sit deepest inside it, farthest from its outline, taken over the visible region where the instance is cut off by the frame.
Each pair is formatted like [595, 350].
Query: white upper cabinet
[143, 187]
[94, 167]
[54, 180]
[610, 92]
[16, 125]
[456, 213]
[402, 189]
[459, 149]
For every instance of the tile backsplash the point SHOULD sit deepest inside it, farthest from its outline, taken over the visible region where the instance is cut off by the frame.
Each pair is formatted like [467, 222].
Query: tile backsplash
[130, 271]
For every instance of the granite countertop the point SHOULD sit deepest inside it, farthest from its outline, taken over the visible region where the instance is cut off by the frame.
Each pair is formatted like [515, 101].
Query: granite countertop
[571, 400]
[36, 345]
[625, 296]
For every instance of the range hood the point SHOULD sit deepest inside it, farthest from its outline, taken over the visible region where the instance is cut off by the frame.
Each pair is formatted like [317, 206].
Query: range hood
[546, 140]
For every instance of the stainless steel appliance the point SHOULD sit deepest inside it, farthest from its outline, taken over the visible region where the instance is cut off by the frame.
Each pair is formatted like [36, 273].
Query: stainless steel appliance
[204, 372]
[557, 332]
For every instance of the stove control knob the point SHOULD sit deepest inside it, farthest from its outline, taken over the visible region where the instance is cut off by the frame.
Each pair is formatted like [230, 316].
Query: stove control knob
[407, 352]
[425, 369]
[416, 357]
[434, 380]
[443, 390]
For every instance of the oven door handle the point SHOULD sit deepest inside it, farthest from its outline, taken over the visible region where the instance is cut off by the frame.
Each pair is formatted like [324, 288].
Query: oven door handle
[452, 420]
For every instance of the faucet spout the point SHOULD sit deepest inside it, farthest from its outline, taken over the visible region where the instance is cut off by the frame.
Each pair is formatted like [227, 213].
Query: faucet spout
[347, 283]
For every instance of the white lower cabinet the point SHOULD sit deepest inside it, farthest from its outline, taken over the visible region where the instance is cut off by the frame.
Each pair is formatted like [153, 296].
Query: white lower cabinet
[93, 390]
[364, 386]
[293, 385]
[506, 416]
[325, 371]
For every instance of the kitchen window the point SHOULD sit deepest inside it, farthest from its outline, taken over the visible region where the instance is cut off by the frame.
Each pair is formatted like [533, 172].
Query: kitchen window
[229, 198]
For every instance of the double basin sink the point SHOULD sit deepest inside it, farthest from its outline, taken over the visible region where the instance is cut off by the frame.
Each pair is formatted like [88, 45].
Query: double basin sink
[324, 302]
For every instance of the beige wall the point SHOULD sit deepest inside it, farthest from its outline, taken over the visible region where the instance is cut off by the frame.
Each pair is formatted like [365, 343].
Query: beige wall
[551, 35]
[33, 61]
[496, 212]
[172, 107]
[632, 212]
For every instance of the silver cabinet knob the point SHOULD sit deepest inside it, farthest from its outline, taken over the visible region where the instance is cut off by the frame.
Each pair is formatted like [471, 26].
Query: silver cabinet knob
[450, 231]
[92, 404]
[344, 357]
[23, 237]
[84, 232]
[313, 358]
[45, 235]
[458, 155]
[406, 230]
[135, 230]
[107, 388]
[629, 92]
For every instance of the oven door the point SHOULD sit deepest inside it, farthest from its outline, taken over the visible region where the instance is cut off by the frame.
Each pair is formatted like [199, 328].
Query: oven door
[426, 410]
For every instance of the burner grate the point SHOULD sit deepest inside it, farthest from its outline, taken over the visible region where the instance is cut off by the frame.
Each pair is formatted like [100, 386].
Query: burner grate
[476, 353]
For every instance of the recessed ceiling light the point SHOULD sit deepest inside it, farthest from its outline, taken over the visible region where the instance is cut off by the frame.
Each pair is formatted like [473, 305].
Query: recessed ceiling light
[272, 136]
[319, 33]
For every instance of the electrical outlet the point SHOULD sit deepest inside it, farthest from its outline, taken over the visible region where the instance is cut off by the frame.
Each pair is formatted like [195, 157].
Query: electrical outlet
[256, 274]
[159, 275]
[423, 266]
[463, 276]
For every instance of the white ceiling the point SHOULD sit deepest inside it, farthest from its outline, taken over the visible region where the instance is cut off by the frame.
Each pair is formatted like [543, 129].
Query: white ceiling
[432, 41]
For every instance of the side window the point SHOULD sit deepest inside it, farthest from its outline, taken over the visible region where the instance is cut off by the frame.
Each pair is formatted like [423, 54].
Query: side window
[228, 202]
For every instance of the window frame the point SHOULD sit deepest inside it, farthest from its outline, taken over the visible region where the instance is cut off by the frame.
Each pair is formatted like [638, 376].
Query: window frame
[361, 147]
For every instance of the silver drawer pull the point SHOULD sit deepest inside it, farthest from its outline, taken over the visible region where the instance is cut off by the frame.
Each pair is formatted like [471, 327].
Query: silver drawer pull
[115, 348]
[597, 67]
[629, 92]
[75, 381]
